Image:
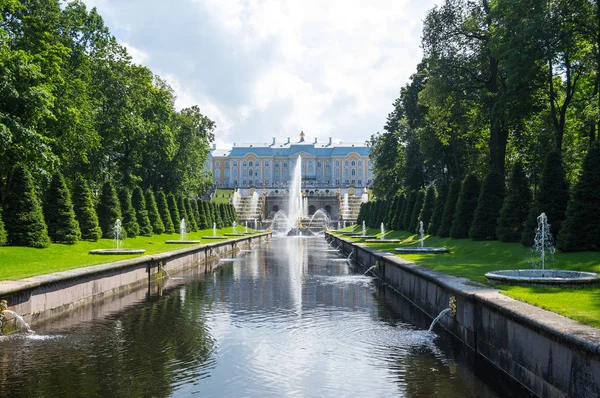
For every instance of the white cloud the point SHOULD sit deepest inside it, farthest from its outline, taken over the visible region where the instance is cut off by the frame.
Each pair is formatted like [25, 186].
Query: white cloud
[263, 68]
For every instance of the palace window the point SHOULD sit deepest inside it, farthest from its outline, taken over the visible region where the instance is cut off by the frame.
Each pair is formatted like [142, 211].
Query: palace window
[360, 163]
[226, 173]
[217, 163]
[244, 163]
[227, 163]
[235, 163]
[346, 163]
[353, 172]
[250, 172]
[337, 163]
[235, 173]
[360, 172]
[266, 163]
[353, 163]
[217, 173]
[250, 164]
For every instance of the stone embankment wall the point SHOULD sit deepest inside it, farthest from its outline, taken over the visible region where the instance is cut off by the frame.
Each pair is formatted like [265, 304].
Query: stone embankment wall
[551, 355]
[40, 297]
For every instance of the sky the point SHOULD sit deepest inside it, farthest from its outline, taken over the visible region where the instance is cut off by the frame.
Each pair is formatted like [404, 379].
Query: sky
[272, 68]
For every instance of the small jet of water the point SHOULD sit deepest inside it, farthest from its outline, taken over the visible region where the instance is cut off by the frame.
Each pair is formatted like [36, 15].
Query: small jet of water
[437, 318]
[370, 269]
[20, 320]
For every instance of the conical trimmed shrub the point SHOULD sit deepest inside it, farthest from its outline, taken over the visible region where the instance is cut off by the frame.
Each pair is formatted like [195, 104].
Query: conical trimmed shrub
[407, 213]
[85, 212]
[24, 219]
[414, 218]
[399, 214]
[397, 211]
[108, 209]
[165, 214]
[516, 206]
[438, 210]
[233, 213]
[465, 208]
[2, 230]
[581, 228]
[129, 222]
[174, 211]
[192, 226]
[208, 213]
[488, 208]
[449, 209]
[224, 218]
[155, 220]
[183, 211]
[60, 217]
[139, 204]
[552, 199]
[217, 215]
[202, 221]
[428, 205]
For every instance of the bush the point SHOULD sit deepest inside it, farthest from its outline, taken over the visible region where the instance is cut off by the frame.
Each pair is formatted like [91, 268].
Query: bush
[438, 210]
[2, 230]
[85, 213]
[155, 220]
[217, 215]
[165, 214]
[414, 218]
[24, 220]
[192, 226]
[60, 217]
[202, 220]
[129, 223]
[552, 199]
[400, 214]
[139, 204]
[407, 213]
[516, 206]
[465, 208]
[581, 228]
[174, 211]
[397, 211]
[428, 205]
[183, 211]
[226, 221]
[208, 213]
[449, 209]
[488, 208]
[108, 210]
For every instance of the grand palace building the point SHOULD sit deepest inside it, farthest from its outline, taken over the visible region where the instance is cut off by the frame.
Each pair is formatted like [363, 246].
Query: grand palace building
[324, 165]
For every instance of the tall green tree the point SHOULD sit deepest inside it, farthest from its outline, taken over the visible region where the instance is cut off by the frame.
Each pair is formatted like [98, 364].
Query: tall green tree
[516, 206]
[129, 222]
[418, 206]
[2, 230]
[465, 207]
[60, 216]
[438, 210]
[428, 207]
[488, 208]
[108, 210]
[208, 213]
[174, 210]
[190, 213]
[165, 214]
[408, 210]
[449, 209]
[139, 204]
[581, 228]
[24, 219]
[203, 223]
[153, 214]
[182, 210]
[85, 212]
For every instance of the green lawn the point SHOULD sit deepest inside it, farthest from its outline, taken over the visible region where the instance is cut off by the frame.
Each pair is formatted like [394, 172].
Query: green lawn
[23, 262]
[223, 196]
[473, 259]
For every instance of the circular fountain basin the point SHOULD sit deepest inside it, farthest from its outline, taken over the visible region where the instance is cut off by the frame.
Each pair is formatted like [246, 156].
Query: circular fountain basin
[117, 251]
[383, 241]
[426, 250]
[233, 234]
[543, 277]
[181, 242]
[214, 237]
[363, 236]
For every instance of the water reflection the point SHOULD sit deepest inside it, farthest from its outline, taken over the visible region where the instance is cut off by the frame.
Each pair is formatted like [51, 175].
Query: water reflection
[285, 319]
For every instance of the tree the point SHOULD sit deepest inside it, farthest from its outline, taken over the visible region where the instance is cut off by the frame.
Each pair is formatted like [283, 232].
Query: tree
[552, 199]
[516, 206]
[217, 215]
[108, 210]
[418, 206]
[428, 205]
[2, 230]
[408, 210]
[24, 219]
[581, 228]
[398, 212]
[449, 209]
[438, 210]
[190, 213]
[183, 211]
[174, 211]
[208, 213]
[60, 217]
[165, 215]
[85, 213]
[465, 208]
[488, 208]
[221, 209]
[129, 222]
[139, 204]
[201, 211]
[155, 220]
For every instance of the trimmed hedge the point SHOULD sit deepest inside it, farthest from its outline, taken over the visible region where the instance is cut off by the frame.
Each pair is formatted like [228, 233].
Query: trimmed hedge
[139, 204]
[60, 216]
[552, 199]
[108, 209]
[24, 219]
[85, 212]
[129, 223]
[488, 208]
[174, 211]
[449, 209]
[208, 213]
[192, 226]
[408, 209]
[414, 218]
[155, 220]
[516, 206]
[438, 210]
[165, 214]
[428, 205]
[581, 228]
[465, 208]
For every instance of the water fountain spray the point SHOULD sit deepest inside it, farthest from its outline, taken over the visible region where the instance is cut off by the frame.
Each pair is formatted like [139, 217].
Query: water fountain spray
[421, 235]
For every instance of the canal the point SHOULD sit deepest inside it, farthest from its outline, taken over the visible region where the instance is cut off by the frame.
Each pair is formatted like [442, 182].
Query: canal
[289, 317]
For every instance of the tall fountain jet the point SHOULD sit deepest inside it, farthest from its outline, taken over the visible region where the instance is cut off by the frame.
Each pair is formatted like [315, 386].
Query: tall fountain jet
[295, 210]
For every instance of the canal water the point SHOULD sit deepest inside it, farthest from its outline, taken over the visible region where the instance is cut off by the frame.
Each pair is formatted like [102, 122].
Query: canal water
[289, 317]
